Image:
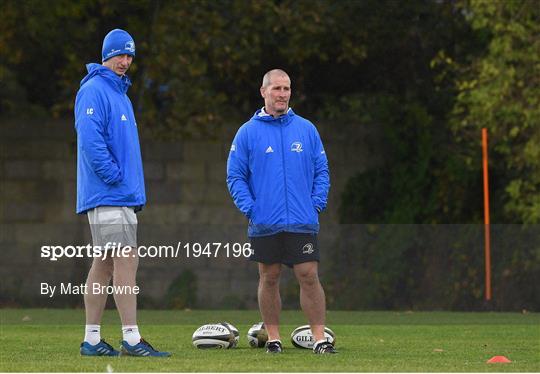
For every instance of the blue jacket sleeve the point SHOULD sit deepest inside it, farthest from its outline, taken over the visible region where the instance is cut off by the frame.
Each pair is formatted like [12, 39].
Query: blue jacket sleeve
[238, 173]
[321, 182]
[90, 123]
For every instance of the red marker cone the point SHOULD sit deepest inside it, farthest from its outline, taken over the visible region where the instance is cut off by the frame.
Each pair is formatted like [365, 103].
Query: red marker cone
[498, 360]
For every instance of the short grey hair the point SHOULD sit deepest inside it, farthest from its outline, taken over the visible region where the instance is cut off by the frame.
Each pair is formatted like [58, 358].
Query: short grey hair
[268, 76]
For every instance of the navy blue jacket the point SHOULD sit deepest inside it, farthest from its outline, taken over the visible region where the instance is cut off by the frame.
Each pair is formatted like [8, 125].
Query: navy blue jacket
[109, 163]
[277, 174]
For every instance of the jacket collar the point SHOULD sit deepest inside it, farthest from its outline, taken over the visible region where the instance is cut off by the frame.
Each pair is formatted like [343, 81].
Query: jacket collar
[261, 115]
[121, 84]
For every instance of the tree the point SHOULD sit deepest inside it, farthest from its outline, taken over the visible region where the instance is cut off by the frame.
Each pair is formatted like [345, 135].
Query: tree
[44, 47]
[500, 90]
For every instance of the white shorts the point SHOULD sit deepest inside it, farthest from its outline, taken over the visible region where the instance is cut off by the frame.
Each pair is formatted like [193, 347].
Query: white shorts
[116, 225]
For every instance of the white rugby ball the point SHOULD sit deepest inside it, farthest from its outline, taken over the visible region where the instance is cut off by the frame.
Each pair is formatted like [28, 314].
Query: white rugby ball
[214, 335]
[302, 337]
[257, 335]
[235, 332]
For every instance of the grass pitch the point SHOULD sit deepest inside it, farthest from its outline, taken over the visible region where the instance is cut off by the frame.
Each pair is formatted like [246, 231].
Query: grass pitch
[48, 340]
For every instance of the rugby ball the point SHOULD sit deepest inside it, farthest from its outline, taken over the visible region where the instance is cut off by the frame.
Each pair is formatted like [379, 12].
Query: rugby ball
[235, 332]
[214, 335]
[302, 337]
[257, 335]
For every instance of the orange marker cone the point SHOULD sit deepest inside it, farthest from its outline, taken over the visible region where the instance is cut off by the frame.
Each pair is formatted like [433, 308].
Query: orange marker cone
[498, 360]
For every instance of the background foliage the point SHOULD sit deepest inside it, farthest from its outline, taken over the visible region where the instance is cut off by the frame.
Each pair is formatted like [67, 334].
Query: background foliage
[427, 74]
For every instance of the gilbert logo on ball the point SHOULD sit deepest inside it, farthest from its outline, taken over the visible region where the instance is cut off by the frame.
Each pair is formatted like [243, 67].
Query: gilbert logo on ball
[302, 337]
[214, 335]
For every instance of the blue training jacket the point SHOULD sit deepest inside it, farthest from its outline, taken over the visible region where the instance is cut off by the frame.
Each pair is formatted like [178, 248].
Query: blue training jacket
[277, 174]
[109, 163]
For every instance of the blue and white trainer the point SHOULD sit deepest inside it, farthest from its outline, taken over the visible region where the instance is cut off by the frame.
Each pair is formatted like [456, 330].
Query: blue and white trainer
[100, 349]
[143, 348]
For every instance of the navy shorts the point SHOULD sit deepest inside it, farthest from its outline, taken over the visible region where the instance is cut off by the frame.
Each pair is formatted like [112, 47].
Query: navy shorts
[289, 248]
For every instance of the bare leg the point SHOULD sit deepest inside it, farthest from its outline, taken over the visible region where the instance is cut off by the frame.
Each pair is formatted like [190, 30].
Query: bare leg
[269, 298]
[101, 272]
[312, 297]
[125, 273]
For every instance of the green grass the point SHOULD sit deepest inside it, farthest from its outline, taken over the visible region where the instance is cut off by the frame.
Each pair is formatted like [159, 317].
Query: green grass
[367, 341]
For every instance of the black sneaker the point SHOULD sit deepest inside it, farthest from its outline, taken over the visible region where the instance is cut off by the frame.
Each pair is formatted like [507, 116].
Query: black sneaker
[274, 346]
[324, 348]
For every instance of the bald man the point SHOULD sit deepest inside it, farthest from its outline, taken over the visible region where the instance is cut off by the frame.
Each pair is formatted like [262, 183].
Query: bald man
[277, 174]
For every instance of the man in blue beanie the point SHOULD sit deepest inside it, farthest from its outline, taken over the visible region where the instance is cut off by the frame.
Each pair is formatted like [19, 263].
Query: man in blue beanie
[110, 190]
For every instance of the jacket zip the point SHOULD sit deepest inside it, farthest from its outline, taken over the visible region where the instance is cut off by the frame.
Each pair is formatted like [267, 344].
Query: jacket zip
[284, 171]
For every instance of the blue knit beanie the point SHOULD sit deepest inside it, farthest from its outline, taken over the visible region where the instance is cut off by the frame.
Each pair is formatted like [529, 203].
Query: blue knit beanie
[117, 42]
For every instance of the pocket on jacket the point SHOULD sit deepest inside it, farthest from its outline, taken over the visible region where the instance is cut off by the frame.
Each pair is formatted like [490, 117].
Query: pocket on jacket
[254, 213]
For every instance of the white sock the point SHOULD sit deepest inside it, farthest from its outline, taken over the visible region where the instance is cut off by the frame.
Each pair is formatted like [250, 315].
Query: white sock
[131, 334]
[92, 334]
